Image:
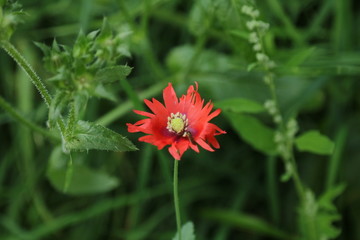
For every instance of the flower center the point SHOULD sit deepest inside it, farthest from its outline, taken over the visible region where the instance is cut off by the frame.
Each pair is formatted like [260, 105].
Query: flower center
[177, 123]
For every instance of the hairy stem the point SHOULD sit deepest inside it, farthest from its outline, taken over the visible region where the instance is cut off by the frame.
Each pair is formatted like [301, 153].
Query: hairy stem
[35, 79]
[20, 60]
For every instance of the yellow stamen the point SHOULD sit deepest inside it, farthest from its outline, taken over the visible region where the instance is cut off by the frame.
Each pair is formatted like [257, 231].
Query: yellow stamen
[177, 123]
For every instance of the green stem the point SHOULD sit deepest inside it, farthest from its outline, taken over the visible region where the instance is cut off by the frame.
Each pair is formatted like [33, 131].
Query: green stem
[176, 198]
[20, 60]
[17, 116]
[297, 181]
[69, 173]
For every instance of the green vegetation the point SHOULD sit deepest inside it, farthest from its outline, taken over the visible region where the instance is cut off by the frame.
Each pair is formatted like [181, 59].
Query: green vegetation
[284, 73]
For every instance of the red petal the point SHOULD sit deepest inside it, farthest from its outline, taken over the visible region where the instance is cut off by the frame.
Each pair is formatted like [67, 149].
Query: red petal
[140, 126]
[203, 144]
[194, 147]
[156, 107]
[174, 152]
[178, 148]
[146, 114]
[154, 141]
[170, 98]
[214, 114]
[212, 140]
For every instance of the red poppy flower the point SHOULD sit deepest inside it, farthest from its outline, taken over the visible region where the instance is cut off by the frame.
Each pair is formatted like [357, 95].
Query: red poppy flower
[181, 123]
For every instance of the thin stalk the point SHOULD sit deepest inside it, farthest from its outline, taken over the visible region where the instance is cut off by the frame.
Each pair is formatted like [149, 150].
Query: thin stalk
[335, 160]
[176, 198]
[297, 181]
[17, 116]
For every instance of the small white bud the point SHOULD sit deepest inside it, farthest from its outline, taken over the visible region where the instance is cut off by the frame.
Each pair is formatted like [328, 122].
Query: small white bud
[269, 104]
[246, 9]
[257, 47]
[253, 38]
[261, 57]
[255, 13]
[251, 24]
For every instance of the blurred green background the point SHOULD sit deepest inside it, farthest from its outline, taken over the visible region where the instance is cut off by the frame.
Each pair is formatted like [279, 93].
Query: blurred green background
[232, 193]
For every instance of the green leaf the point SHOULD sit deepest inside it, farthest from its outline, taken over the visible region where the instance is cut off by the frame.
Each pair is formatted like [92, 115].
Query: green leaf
[251, 66]
[200, 17]
[105, 31]
[207, 61]
[187, 232]
[300, 56]
[57, 107]
[81, 45]
[246, 222]
[254, 132]
[241, 34]
[80, 103]
[102, 92]
[240, 105]
[83, 180]
[112, 74]
[89, 135]
[44, 48]
[313, 141]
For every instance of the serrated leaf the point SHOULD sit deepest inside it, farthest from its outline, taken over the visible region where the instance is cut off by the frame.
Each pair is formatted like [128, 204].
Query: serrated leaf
[112, 74]
[313, 141]
[240, 105]
[88, 135]
[254, 132]
[83, 181]
[317, 217]
[187, 232]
